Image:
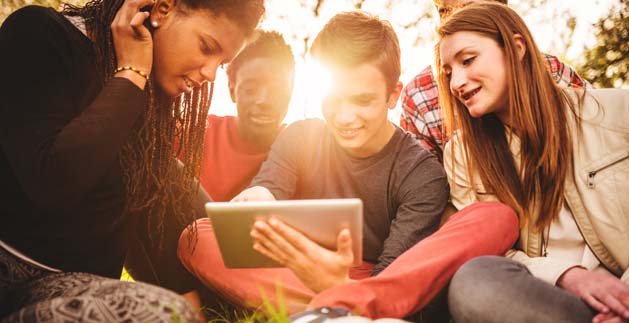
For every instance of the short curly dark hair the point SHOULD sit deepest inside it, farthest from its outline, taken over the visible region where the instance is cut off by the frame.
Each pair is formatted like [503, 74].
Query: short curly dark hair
[268, 44]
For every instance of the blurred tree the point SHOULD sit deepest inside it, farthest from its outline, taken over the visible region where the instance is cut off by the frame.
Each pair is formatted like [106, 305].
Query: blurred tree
[8, 6]
[607, 63]
[415, 21]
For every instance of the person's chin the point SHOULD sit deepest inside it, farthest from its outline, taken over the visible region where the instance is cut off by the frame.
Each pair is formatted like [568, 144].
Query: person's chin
[476, 114]
[173, 94]
[476, 111]
[263, 128]
[264, 132]
[169, 90]
[265, 122]
[353, 147]
[347, 142]
[173, 89]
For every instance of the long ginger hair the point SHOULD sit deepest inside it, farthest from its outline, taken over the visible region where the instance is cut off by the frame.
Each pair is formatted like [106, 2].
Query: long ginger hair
[156, 186]
[538, 117]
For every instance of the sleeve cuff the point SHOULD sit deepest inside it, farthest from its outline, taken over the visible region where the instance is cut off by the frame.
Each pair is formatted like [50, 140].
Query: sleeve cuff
[625, 277]
[550, 270]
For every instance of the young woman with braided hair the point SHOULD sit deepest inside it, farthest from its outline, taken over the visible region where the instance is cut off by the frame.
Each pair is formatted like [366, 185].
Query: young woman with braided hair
[93, 99]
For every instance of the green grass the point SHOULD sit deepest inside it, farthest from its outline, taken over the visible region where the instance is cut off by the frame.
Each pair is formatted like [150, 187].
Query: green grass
[125, 276]
[230, 314]
[267, 314]
[279, 314]
[224, 314]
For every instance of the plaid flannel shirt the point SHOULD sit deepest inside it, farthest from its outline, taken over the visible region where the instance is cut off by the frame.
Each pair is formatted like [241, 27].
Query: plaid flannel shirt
[421, 113]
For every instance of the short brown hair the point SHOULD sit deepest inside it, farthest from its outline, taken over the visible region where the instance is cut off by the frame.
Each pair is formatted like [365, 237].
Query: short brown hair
[353, 38]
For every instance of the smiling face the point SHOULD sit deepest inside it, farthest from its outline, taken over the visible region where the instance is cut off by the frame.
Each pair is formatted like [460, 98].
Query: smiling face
[476, 68]
[189, 45]
[356, 108]
[262, 90]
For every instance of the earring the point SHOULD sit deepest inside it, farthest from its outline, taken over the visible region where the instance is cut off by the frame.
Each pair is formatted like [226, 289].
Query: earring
[154, 24]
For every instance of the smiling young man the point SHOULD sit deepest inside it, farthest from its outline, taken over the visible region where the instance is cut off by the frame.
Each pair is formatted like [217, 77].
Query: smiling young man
[260, 83]
[421, 111]
[355, 153]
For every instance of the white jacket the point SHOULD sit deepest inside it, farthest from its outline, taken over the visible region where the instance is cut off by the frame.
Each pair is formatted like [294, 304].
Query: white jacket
[596, 189]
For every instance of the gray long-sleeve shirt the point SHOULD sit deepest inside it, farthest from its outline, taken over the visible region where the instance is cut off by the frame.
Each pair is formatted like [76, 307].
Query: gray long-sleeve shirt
[403, 187]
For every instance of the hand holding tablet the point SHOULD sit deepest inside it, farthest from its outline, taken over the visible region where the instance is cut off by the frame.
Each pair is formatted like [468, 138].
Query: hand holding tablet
[318, 220]
[317, 267]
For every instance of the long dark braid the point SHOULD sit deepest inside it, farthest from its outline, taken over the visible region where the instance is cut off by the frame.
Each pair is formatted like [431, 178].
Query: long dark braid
[155, 185]
[98, 16]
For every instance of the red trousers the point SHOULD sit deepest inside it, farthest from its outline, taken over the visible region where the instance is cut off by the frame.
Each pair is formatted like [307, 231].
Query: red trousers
[401, 289]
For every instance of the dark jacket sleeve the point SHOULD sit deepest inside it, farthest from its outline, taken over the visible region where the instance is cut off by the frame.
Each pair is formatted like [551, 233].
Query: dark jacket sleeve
[56, 152]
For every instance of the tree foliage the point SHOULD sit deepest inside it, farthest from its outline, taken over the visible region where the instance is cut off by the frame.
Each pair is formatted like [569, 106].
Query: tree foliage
[607, 63]
[604, 65]
[8, 6]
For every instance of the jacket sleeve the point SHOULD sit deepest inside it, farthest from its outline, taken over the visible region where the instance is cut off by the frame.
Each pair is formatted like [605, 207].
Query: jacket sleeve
[544, 268]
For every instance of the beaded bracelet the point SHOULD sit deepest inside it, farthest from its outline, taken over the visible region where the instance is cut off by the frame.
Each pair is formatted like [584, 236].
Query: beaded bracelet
[131, 68]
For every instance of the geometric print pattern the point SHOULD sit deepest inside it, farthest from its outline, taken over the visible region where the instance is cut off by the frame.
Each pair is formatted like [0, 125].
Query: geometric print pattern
[82, 297]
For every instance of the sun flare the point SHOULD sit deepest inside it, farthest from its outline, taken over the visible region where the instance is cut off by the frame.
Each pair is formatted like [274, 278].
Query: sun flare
[312, 84]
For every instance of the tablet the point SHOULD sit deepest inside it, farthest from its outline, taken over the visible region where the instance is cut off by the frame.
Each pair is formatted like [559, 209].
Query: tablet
[319, 220]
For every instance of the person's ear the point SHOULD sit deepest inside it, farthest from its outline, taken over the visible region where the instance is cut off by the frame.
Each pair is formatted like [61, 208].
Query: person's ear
[161, 10]
[520, 45]
[395, 94]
